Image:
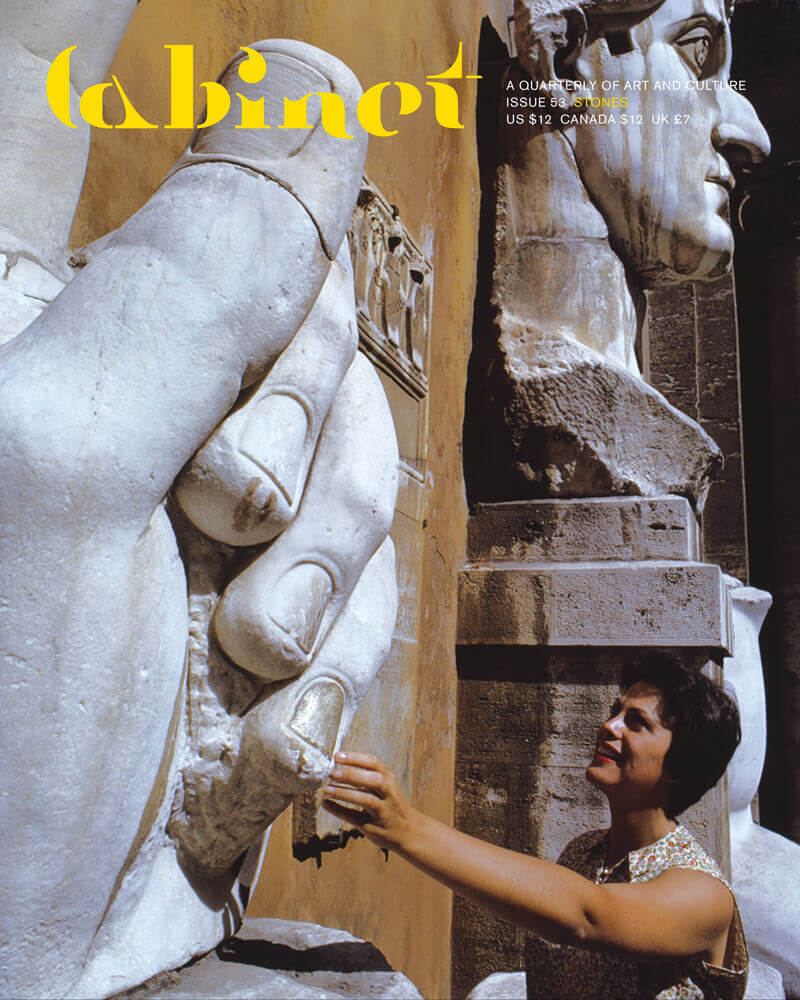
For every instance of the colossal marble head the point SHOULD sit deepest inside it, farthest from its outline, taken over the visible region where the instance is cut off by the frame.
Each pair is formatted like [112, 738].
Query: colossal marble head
[616, 180]
[661, 173]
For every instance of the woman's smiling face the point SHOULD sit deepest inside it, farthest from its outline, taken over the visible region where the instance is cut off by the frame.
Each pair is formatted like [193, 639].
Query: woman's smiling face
[630, 751]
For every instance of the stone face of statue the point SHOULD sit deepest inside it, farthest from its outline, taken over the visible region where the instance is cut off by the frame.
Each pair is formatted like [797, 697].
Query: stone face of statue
[595, 203]
[662, 181]
[661, 174]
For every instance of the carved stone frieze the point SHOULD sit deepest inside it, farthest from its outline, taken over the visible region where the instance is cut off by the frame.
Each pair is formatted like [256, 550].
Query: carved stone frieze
[394, 291]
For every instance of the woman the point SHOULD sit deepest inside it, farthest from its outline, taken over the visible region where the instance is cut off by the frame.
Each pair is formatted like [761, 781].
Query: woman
[638, 910]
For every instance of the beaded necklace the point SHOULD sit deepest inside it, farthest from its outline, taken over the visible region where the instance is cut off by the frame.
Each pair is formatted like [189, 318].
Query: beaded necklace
[605, 871]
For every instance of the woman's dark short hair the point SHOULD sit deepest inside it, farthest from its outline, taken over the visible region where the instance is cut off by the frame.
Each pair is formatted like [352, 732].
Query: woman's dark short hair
[703, 719]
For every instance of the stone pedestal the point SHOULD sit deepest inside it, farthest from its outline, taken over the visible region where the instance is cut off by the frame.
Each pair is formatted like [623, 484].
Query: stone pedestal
[556, 598]
[287, 959]
[607, 572]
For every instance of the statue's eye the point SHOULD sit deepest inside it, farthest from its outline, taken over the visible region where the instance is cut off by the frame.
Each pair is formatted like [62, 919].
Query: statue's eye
[696, 48]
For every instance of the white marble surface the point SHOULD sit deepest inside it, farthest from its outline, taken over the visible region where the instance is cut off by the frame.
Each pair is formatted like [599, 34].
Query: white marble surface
[765, 865]
[286, 959]
[109, 728]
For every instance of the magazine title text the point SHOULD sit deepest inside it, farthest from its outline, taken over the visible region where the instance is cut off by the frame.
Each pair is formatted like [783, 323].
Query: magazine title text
[251, 70]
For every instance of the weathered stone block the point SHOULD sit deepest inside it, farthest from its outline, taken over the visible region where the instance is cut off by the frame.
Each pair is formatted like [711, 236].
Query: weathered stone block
[483, 799]
[481, 943]
[654, 603]
[572, 530]
[576, 424]
[691, 357]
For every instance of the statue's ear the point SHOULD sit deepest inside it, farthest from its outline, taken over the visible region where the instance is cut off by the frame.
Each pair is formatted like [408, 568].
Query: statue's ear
[565, 58]
[550, 44]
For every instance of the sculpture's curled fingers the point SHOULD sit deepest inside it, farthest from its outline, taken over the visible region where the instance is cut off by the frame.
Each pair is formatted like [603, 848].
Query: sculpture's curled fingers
[284, 744]
[245, 484]
[273, 617]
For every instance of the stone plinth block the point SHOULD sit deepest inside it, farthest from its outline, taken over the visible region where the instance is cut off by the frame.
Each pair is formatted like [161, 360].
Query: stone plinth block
[614, 603]
[577, 424]
[286, 959]
[625, 528]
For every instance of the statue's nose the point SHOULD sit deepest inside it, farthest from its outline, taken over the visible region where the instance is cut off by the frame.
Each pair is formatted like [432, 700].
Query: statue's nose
[740, 136]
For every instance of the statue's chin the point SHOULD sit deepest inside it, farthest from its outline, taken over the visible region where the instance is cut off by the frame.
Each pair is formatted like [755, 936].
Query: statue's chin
[702, 251]
[722, 266]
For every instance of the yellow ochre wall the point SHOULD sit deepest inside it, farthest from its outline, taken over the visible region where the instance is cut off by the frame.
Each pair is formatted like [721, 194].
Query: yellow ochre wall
[430, 173]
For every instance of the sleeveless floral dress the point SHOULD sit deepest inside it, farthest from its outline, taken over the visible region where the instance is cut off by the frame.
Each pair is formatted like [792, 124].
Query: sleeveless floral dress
[563, 972]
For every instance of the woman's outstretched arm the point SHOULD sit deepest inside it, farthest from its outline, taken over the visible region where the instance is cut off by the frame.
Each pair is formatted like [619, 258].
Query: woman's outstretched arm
[680, 913]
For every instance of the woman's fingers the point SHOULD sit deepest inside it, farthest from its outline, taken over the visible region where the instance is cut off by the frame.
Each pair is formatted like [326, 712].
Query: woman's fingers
[359, 778]
[352, 796]
[354, 817]
[364, 760]
[369, 798]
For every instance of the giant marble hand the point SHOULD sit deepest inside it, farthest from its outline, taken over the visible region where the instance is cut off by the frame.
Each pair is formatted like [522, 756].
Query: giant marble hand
[204, 356]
